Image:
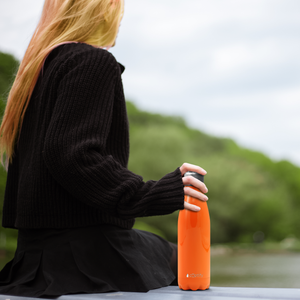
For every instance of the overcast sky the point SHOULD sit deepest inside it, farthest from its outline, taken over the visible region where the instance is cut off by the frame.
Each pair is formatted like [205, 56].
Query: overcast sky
[229, 67]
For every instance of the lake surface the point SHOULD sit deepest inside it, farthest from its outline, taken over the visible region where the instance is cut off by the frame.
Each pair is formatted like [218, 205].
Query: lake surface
[256, 270]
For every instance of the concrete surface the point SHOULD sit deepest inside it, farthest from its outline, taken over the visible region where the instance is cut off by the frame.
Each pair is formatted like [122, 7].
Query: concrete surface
[174, 293]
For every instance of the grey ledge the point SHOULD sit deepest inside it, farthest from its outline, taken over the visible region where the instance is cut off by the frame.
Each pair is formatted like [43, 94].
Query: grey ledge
[174, 293]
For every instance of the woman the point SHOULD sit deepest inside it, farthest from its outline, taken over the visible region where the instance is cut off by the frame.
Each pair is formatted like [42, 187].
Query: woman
[69, 192]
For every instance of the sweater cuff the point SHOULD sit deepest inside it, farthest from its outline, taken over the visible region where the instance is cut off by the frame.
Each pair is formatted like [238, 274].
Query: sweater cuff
[169, 195]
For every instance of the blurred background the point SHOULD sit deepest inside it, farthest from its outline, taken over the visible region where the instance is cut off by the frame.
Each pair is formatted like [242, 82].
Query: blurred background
[214, 83]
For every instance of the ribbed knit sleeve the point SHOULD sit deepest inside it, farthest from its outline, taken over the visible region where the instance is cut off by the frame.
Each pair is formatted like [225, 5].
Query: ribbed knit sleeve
[76, 144]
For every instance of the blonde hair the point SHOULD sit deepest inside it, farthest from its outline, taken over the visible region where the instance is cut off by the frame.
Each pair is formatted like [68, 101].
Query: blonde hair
[94, 22]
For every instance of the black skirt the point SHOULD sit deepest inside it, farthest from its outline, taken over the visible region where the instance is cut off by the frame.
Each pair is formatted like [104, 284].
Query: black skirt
[94, 259]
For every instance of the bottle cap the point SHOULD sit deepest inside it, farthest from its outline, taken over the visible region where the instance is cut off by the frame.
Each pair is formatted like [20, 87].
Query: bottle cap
[194, 174]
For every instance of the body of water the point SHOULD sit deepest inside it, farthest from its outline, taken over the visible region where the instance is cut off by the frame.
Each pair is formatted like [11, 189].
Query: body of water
[256, 270]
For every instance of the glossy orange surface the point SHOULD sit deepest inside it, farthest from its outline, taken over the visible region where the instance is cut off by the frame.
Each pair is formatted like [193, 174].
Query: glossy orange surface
[194, 247]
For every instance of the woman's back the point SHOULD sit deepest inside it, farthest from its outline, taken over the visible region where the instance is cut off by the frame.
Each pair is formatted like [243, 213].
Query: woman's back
[76, 114]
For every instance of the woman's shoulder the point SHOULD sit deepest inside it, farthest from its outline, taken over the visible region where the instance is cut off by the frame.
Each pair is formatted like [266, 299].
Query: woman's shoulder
[70, 55]
[85, 52]
[79, 60]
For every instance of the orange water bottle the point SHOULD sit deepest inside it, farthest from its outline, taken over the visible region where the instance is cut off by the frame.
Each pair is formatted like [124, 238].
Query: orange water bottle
[194, 244]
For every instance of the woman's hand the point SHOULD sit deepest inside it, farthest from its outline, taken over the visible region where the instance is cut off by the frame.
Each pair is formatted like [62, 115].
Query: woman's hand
[195, 183]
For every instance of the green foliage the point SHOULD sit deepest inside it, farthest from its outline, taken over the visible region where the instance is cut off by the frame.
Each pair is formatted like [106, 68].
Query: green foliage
[243, 200]
[283, 173]
[8, 67]
[248, 191]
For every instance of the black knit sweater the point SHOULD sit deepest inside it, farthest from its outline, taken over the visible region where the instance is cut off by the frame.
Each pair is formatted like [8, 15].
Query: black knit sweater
[70, 164]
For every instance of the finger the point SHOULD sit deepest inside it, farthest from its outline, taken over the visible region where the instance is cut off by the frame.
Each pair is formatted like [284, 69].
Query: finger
[195, 194]
[191, 207]
[190, 180]
[189, 167]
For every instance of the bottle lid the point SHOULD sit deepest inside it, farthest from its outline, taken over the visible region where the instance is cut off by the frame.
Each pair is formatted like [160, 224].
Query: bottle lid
[194, 174]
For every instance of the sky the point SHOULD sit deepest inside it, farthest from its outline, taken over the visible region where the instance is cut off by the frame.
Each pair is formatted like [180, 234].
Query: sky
[230, 68]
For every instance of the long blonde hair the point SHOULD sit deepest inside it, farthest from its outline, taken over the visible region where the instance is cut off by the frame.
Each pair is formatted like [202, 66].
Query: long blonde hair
[95, 22]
